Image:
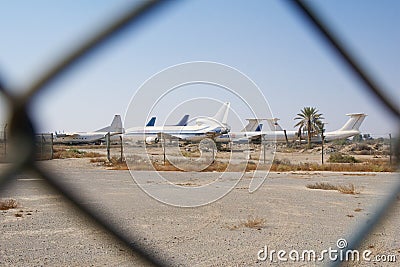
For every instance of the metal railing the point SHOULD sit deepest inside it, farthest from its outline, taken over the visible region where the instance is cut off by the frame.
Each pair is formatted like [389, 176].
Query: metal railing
[22, 130]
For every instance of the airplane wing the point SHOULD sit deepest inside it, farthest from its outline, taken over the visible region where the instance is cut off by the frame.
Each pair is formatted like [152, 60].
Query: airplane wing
[210, 135]
[169, 136]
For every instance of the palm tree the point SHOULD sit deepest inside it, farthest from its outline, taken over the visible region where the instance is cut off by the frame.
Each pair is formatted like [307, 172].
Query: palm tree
[310, 120]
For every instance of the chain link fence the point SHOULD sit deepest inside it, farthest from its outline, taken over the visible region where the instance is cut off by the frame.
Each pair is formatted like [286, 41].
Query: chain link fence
[31, 146]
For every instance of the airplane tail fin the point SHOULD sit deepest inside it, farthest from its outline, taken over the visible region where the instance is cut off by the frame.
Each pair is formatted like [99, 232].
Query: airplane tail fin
[354, 122]
[252, 125]
[151, 122]
[116, 126]
[222, 114]
[183, 121]
[273, 124]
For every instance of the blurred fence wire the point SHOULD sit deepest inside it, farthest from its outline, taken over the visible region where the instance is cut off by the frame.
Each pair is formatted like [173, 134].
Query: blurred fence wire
[27, 145]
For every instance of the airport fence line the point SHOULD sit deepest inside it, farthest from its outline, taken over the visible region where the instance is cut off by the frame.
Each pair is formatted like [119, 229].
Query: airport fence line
[22, 131]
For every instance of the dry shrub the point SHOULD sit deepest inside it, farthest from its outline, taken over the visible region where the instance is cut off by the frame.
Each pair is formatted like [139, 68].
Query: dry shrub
[345, 189]
[367, 166]
[254, 223]
[216, 166]
[251, 222]
[98, 160]
[116, 164]
[348, 189]
[187, 184]
[322, 186]
[8, 204]
[340, 158]
[64, 153]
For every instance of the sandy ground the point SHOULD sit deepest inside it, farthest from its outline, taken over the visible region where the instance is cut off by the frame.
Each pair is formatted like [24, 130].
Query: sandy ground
[48, 231]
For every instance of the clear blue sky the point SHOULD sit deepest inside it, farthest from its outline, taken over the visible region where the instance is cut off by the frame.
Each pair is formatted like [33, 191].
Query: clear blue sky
[265, 40]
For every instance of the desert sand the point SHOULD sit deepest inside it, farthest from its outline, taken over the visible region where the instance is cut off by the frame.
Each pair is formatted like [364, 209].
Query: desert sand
[45, 230]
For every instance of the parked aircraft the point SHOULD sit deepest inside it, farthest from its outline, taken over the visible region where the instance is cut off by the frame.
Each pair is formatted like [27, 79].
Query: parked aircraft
[204, 127]
[182, 122]
[151, 122]
[350, 128]
[92, 137]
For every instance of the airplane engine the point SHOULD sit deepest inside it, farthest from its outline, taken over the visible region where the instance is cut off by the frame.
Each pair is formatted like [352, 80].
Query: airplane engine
[152, 140]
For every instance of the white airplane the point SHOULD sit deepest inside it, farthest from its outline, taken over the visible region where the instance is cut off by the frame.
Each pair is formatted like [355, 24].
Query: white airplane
[92, 137]
[350, 128]
[204, 127]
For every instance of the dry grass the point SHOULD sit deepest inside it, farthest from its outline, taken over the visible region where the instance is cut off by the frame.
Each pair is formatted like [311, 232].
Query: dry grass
[367, 166]
[251, 222]
[348, 189]
[345, 189]
[341, 158]
[8, 204]
[187, 184]
[64, 153]
[219, 166]
[282, 165]
[216, 166]
[98, 160]
[113, 164]
[322, 186]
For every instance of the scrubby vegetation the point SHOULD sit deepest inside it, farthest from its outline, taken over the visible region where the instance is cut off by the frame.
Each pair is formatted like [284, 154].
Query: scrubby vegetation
[371, 165]
[251, 222]
[283, 165]
[340, 158]
[8, 204]
[345, 189]
[64, 153]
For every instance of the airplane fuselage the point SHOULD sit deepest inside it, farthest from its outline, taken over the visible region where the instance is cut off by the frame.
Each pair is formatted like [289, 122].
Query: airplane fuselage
[279, 136]
[188, 133]
[82, 138]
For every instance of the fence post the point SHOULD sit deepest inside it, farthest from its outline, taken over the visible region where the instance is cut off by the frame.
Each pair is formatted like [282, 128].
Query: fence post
[264, 144]
[122, 149]
[287, 141]
[5, 140]
[52, 149]
[163, 140]
[108, 146]
[390, 149]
